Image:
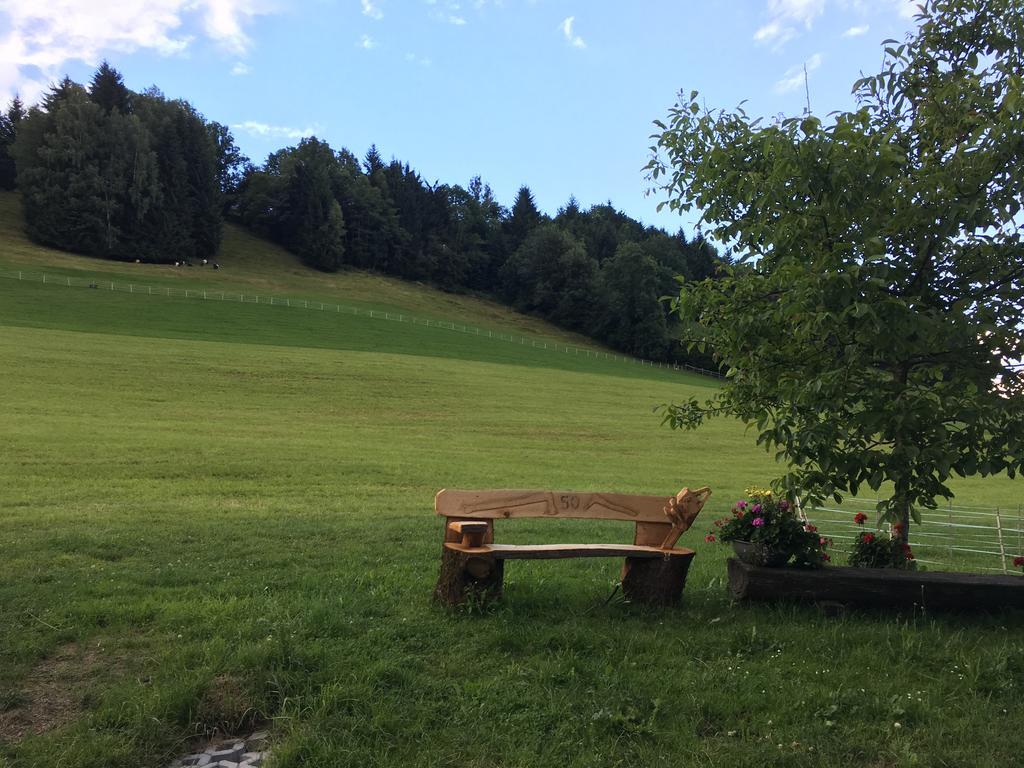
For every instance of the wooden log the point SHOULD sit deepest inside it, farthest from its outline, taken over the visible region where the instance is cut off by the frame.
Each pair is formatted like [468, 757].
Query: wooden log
[453, 535]
[472, 532]
[877, 588]
[468, 575]
[656, 581]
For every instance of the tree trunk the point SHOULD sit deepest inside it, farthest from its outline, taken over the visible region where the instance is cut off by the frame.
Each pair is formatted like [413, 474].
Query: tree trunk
[466, 576]
[655, 581]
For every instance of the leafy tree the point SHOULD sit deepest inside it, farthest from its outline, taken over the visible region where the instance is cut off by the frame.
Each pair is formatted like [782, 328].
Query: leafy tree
[633, 319]
[871, 325]
[294, 200]
[186, 223]
[86, 177]
[232, 165]
[552, 275]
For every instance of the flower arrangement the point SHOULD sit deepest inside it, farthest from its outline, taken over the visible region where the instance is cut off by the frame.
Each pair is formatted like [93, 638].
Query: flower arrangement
[879, 550]
[771, 525]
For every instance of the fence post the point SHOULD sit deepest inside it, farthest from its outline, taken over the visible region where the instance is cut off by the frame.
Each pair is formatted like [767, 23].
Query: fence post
[949, 520]
[1020, 551]
[999, 533]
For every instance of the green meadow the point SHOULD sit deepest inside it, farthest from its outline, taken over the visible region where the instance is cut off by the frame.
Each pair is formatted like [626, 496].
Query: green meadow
[215, 516]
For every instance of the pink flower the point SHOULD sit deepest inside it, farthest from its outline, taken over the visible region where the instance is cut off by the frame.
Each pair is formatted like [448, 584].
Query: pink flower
[757, 509]
[783, 505]
[757, 522]
[741, 504]
[811, 528]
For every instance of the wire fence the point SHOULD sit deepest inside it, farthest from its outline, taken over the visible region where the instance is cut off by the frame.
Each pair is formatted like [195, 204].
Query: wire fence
[204, 294]
[986, 538]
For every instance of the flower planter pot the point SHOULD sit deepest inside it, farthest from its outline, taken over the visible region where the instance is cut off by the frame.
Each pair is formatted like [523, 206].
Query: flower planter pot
[758, 554]
[880, 588]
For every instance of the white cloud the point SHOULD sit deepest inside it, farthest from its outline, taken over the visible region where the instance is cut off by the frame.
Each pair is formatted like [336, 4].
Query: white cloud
[907, 9]
[785, 17]
[370, 9]
[794, 77]
[856, 31]
[263, 130]
[38, 39]
[240, 68]
[367, 43]
[799, 11]
[774, 33]
[423, 61]
[572, 39]
[458, 21]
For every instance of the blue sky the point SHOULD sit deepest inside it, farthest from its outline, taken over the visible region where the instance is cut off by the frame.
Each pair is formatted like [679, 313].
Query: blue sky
[556, 94]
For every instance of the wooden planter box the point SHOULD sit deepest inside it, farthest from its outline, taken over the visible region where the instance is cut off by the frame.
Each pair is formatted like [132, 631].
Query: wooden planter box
[877, 588]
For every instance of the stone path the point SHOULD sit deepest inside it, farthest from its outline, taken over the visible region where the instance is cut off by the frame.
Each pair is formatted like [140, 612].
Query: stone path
[249, 752]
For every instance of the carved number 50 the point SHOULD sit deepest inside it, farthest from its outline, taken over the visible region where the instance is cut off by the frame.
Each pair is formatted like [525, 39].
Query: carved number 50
[570, 502]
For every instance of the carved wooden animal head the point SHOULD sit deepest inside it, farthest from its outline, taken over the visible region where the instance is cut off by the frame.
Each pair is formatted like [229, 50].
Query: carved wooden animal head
[684, 507]
[681, 510]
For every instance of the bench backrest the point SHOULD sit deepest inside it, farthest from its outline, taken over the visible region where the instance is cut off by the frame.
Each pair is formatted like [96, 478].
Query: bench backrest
[653, 525]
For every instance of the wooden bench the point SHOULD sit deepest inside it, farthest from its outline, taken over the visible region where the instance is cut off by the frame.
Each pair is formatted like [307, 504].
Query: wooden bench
[654, 570]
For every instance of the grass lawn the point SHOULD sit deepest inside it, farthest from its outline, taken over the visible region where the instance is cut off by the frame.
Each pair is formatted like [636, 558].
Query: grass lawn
[216, 514]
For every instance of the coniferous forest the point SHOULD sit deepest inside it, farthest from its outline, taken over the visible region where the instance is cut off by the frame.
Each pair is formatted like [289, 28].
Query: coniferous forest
[108, 172]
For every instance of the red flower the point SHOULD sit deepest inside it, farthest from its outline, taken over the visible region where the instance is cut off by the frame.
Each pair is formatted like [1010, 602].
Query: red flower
[897, 528]
[825, 557]
[709, 538]
[811, 528]
[860, 518]
[906, 551]
[719, 523]
[1018, 562]
[868, 538]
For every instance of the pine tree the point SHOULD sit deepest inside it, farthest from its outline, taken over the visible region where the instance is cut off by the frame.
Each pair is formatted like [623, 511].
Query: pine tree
[523, 219]
[9, 122]
[109, 91]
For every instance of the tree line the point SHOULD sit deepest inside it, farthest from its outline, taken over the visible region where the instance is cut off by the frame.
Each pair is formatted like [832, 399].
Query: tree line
[109, 172]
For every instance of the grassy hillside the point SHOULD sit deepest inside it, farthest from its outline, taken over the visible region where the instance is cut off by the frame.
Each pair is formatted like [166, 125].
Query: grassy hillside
[250, 264]
[216, 513]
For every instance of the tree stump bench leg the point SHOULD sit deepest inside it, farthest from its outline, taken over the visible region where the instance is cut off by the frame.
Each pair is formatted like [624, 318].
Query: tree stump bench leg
[465, 574]
[655, 581]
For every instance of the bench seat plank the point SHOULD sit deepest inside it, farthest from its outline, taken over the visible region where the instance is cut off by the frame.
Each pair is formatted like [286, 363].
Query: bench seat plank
[559, 551]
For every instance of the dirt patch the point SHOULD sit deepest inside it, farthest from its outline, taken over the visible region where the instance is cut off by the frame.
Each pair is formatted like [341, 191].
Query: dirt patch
[54, 692]
[226, 708]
